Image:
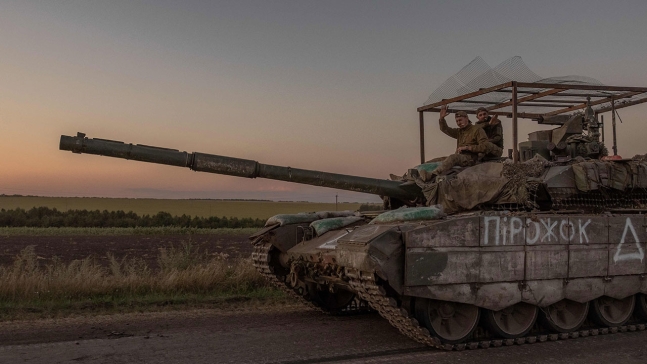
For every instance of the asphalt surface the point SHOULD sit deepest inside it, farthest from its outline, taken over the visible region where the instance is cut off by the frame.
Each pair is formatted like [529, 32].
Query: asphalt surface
[274, 335]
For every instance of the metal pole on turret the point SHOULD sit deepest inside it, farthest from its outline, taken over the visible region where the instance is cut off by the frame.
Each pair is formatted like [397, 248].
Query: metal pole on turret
[613, 126]
[422, 137]
[515, 148]
[602, 125]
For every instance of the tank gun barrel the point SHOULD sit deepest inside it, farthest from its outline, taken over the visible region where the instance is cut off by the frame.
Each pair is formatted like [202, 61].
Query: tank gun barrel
[211, 163]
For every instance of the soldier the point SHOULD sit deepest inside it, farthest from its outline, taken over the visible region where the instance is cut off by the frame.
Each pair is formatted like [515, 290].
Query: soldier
[493, 129]
[470, 141]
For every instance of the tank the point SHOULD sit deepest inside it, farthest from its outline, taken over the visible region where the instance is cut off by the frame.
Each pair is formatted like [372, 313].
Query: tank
[495, 254]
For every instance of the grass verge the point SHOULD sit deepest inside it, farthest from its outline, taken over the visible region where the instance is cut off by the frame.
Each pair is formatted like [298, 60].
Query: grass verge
[187, 277]
[102, 305]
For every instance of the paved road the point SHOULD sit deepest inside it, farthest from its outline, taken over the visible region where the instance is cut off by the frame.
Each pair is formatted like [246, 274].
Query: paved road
[272, 336]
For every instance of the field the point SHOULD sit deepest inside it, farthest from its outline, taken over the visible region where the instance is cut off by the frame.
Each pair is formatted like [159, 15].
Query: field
[201, 208]
[69, 244]
[51, 272]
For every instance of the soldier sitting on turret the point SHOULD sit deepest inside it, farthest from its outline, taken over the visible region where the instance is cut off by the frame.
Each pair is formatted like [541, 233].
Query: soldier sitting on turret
[493, 129]
[471, 141]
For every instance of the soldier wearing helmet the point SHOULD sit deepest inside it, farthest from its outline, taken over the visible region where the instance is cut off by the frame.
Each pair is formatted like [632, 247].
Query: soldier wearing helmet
[493, 129]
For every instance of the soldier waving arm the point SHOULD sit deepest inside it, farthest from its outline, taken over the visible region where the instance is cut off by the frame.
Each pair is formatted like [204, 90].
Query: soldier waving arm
[452, 132]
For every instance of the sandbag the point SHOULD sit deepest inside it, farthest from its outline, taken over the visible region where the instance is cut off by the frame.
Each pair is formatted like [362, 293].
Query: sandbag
[428, 166]
[304, 217]
[324, 225]
[287, 219]
[410, 214]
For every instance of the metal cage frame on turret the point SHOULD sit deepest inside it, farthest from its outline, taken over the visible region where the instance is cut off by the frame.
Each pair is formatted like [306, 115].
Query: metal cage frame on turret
[529, 97]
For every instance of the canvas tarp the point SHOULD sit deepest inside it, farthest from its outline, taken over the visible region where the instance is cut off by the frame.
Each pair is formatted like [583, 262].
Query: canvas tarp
[485, 183]
[476, 185]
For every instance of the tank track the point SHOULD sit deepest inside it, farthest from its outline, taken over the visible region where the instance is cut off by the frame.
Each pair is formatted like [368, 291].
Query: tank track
[368, 289]
[261, 260]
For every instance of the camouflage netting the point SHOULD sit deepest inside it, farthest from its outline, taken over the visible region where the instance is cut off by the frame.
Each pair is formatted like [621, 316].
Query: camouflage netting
[486, 184]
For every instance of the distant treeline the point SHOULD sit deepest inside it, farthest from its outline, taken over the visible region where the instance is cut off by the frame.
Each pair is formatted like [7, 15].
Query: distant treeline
[46, 217]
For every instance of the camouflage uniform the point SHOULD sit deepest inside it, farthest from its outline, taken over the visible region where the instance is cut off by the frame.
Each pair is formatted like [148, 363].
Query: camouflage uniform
[471, 136]
[494, 134]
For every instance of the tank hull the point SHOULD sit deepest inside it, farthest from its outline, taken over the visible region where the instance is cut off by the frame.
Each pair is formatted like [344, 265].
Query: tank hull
[488, 262]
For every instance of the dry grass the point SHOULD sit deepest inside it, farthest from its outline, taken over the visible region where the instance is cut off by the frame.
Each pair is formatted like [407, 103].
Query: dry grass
[201, 208]
[185, 276]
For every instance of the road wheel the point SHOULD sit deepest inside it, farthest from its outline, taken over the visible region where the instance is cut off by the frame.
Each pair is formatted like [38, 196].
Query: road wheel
[512, 322]
[609, 311]
[564, 316]
[451, 322]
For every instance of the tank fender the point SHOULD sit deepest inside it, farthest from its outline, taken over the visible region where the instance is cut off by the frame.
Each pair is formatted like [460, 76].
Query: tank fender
[387, 253]
[287, 236]
[620, 287]
[498, 296]
[374, 248]
[584, 289]
[493, 296]
[263, 231]
[542, 293]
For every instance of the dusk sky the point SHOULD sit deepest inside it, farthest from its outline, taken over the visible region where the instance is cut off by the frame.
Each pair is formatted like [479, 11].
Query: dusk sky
[324, 85]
